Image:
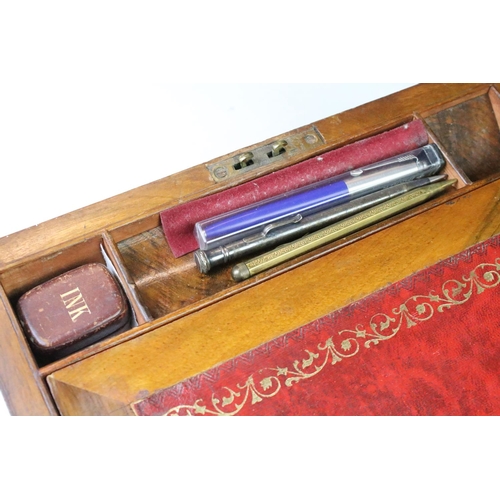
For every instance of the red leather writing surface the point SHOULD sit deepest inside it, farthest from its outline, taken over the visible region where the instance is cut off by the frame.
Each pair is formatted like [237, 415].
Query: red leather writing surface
[178, 222]
[428, 345]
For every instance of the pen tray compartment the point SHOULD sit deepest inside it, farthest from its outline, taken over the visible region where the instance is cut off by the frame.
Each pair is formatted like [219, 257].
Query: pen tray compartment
[161, 287]
[168, 284]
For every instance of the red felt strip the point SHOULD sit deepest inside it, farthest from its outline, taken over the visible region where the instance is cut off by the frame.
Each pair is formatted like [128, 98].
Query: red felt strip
[178, 222]
[428, 345]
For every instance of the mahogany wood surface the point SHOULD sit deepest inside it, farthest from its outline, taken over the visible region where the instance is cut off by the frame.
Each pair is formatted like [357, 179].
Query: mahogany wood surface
[197, 342]
[187, 323]
[470, 133]
[27, 396]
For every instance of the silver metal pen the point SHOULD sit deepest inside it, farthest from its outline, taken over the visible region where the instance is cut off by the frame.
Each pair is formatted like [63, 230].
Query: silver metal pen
[333, 232]
[293, 227]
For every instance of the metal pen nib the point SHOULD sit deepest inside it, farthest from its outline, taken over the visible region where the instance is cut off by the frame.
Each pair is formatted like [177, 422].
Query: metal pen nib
[338, 230]
[295, 226]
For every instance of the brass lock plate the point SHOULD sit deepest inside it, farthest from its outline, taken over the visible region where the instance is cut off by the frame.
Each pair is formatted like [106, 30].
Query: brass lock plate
[282, 149]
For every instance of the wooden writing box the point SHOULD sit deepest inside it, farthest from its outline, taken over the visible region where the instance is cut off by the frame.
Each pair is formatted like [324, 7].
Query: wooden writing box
[186, 322]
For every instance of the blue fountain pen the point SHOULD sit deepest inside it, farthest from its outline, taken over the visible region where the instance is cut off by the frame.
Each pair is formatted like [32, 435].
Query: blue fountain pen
[241, 223]
[277, 233]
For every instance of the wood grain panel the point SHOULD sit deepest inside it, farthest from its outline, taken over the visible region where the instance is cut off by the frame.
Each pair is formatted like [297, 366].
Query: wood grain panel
[24, 391]
[392, 110]
[469, 131]
[166, 283]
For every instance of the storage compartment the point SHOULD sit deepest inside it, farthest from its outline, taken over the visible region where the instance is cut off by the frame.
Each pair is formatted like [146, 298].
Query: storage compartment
[468, 135]
[469, 131]
[19, 280]
[167, 284]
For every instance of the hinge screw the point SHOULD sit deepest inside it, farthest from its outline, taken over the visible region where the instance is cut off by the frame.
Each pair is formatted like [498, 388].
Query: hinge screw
[220, 172]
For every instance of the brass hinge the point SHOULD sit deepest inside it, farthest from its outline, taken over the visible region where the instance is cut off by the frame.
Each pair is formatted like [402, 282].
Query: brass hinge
[282, 149]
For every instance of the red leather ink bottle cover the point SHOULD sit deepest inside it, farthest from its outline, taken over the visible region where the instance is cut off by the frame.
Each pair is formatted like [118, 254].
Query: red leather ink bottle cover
[73, 310]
